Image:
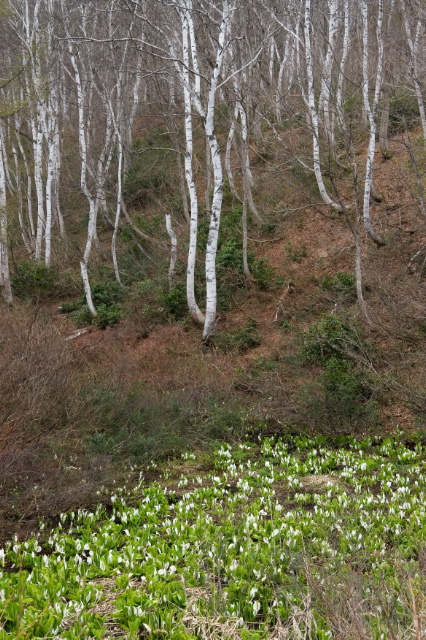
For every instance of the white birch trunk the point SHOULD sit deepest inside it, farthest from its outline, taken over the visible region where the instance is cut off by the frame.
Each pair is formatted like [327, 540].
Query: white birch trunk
[118, 208]
[4, 250]
[173, 249]
[228, 150]
[247, 175]
[324, 99]
[341, 72]
[313, 112]
[216, 207]
[38, 179]
[194, 310]
[91, 230]
[24, 233]
[51, 161]
[371, 111]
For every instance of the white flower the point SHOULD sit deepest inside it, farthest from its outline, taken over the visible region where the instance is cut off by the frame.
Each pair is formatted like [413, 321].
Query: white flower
[256, 607]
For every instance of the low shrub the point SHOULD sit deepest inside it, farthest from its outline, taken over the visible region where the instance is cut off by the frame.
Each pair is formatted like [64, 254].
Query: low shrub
[107, 316]
[296, 254]
[241, 340]
[141, 425]
[34, 280]
[330, 337]
[106, 297]
[262, 273]
[175, 302]
[341, 401]
[343, 285]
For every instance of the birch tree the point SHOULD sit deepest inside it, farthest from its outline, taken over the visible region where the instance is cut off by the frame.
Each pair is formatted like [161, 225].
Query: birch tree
[4, 248]
[371, 109]
[311, 102]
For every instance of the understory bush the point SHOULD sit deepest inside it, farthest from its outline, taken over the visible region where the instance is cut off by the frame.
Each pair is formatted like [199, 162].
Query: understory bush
[341, 400]
[296, 254]
[240, 340]
[142, 425]
[106, 298]
[34, 280]
[331, 337]
[175, 302]
[231, 280]
[343, 285]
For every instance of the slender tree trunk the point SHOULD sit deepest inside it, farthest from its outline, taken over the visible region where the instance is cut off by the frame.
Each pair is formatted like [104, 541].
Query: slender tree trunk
[358, 246]
[24, 233]
[341, 73]
[413, 44]
[181, 174]
[246, 267]
[208, 178]
[194, 310]
[91, 229]
[216, 207]
[118, 208]
[173, 250]
[49, 200]
[5, 287]
[38, 179]
[371, 112]
[247, 175]
[313, 111]
[324, 99]
[228, 167]
[384, 126]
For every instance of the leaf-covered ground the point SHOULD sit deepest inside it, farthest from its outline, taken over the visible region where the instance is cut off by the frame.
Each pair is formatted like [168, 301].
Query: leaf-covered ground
[287, 538]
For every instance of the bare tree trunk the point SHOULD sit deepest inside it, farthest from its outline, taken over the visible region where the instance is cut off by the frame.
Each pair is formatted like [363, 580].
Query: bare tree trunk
[216, 207]
[118, 208]
[228, 167]
[371, 112]
[313, 112]
[324, 99]
[91, 230]
[24, 234]
[246, 268]
[208, 178]
[5, 287]
[173, 250]
[194, 310]
[247, 176]
[384, 126]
